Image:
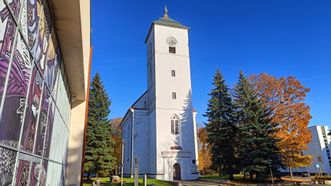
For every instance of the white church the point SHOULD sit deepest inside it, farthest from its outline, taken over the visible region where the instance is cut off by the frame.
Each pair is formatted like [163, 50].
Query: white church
[159, 129]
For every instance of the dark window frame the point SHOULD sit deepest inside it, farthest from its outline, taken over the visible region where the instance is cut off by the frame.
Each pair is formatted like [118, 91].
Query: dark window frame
[174, 95]
[172, 50]
[173, 73]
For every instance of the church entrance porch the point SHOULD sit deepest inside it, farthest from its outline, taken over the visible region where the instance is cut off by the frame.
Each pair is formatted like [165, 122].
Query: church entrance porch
[176, 172]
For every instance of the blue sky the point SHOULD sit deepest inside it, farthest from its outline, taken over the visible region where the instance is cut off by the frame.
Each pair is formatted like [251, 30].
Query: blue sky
[278, 37]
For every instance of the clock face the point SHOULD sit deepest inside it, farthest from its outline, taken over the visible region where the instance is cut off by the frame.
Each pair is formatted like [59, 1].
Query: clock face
[172, 41]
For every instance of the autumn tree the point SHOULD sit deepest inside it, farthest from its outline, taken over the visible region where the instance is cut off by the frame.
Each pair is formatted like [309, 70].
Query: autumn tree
[258, 153]
[204, 151]
[285, 97]
[221, 127]
[98, 146]
[117, 143]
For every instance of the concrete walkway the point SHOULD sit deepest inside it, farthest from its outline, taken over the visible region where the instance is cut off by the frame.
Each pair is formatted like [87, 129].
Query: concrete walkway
[201, 182]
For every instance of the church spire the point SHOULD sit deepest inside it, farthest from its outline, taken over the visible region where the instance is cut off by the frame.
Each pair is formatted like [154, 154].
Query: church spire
[165, 12]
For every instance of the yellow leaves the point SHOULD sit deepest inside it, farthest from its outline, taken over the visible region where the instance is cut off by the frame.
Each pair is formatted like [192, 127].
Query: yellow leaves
[204, 160]
[117, 139]
[285, 96]
[204, 153]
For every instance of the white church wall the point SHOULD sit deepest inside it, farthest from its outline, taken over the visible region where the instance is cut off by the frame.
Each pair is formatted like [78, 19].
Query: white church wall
[141, 139]
[152, 144]
[165, 62]
[164, 142]
[126, 132]
[150, 71]
[162, 33]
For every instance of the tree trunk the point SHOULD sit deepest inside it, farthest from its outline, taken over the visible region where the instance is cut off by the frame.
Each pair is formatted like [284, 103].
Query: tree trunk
[88, 176]
[291, 174]
[231, 176]
[244, 178]
[97, 174]
[251, 176]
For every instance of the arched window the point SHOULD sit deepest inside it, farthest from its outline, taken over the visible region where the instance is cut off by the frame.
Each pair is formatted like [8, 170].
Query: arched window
[174, 125]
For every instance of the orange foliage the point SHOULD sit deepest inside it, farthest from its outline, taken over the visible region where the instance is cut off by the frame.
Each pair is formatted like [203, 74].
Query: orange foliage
[117, 142]
[204, 151]
[285, 97]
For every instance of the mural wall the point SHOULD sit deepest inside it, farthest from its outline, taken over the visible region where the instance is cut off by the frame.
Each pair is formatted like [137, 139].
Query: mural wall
[34, 97]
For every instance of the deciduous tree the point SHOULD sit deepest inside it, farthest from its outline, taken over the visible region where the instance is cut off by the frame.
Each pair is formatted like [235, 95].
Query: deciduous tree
[117, 141]
[204, 151]
[285, 98]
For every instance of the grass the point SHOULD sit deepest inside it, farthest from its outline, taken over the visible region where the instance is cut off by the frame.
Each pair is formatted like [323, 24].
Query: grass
[128, 182]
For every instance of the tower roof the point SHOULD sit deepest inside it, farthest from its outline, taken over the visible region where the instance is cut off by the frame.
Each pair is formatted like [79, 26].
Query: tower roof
[167, 21]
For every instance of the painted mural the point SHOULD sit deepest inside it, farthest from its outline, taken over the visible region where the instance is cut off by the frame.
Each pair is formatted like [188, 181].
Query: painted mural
[32, 111]
[34, 102]
[42, 123]
[7, 33]
[38, 173]
[15, 97]
[7, 164]
[22, 173]
[49, 129]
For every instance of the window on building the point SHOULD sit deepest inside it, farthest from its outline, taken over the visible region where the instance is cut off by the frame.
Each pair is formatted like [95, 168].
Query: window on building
[173, 73]
[174, 125]
[174, 95]
[172, 50]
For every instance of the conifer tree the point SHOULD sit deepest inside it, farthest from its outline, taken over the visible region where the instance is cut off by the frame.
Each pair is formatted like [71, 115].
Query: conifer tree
[221, 128]
[258, 152]
[98, 147]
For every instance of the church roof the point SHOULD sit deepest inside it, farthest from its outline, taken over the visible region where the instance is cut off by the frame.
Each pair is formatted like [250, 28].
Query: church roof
[167, 21]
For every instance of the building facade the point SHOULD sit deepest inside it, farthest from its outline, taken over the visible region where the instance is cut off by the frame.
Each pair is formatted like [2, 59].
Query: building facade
[44, 72]
[159, 130]
[319, 149]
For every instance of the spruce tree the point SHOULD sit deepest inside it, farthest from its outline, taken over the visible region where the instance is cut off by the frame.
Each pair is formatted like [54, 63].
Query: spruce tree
[258, 152]
[98, 147]
[221, 128]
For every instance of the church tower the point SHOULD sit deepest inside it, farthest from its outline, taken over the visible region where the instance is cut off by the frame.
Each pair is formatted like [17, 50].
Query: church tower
[159, 129]
[172, 119]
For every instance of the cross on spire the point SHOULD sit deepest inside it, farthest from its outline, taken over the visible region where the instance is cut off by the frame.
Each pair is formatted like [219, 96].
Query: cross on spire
[165, 12]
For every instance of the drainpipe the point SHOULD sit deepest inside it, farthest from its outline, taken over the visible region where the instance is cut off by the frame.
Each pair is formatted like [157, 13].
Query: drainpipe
[122, 166]
[132, 142]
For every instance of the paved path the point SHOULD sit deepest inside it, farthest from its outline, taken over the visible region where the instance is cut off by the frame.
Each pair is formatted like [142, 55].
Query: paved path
[201, 182]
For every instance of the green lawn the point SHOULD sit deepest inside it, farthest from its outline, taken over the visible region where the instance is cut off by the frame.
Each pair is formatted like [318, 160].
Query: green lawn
[128, 182]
